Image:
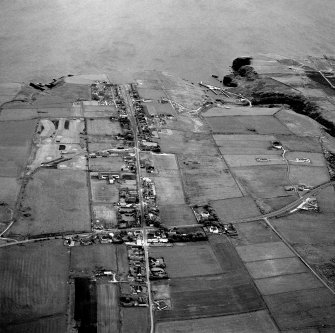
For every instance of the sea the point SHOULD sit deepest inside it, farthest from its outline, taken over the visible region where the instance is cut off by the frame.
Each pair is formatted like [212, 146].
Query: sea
[45, 39]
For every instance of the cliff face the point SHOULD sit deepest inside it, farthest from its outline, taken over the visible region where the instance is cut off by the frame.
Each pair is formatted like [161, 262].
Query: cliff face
[284, 82]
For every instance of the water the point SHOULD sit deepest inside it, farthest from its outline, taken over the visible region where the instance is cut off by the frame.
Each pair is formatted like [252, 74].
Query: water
[40, 40]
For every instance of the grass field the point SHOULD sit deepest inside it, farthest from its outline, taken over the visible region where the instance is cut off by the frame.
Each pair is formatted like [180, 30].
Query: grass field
[275, 267]
[303, 309]
[299, 124]
[235, 161]
[104, 192]
[247, 125]
[271, 204]
[253, 233]
[17, 114]
[149, 93]
[264, 251]
[72, 92]
[244, 144]
[108, 308]
[23, 133]
[103, 127]
[178, 142]
[135, 320]
[96, 111]
[155, 108]
[165, 162]
[54, 324]
[240, 111]
[122, 260]
[234, 209]
[287, 283]
[300, 143]
[169, 190]
[204, 296]
[263, 181]
[317, 159]
[58, 200]
[186, 123]
[86, 259]
[106, 214]
[326, 200]
[175, 215]
[308, 175]
[202, 162]
[13, 160]
[253, 322]
[188, 259]
[114, 163]
[202, 186]
[33, 281]
[9, 189]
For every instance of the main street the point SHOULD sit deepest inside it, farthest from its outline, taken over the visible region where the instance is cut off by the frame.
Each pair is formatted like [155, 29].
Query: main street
[131, 112]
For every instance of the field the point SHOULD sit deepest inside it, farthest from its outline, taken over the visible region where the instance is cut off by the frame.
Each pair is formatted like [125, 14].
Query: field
[96, 111]
[271, 204]
[9, 189]
[244, 144]
[287, 283]
[202, 162]
[72, 92]
[86, 259]
[104, 192]
[155, 94]
[299, 124]
[240, 111]
[114, 163]
[234, 209]
[263, 181]
[33, 279]
[235, 161]
[275, 267]
[326, 200]
[300, 143]
[135, 320]
[308, 175]
[264, 251]
[176, 215]
[189, 123]
[253, 233]
[204, 185]
[169, 190]
[103, 127]
[17, 114]
[165, 162]
[317, 159]
[188, 259]
[187, 143]
[108, 311]
[197, 297]
[58, 202]
[155, 108]
[303, 309]
[247, 125]
[253, 322]
[106, 214]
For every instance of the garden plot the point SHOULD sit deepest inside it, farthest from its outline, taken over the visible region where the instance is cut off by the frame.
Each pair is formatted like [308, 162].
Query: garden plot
[247, 125]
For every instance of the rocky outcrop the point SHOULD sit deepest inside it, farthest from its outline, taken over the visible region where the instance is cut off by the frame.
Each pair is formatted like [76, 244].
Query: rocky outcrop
[239, 62]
